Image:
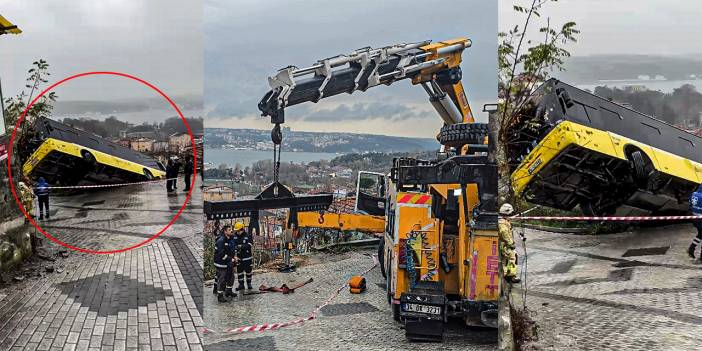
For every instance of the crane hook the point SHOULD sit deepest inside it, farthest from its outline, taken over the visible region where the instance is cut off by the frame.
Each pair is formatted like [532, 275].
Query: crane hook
[277, 134]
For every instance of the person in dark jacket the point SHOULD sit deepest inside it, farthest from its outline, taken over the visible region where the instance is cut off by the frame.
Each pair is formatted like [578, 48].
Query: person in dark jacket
[42, 191]
[188, 170]
[244, 267]
[169, 175]
[696, 209]
[217, 233]
[224, 260]
[176, 170]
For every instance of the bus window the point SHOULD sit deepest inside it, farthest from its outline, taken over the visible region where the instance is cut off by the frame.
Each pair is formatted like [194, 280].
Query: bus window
[580, 112]
[652, 127]
[609, 113]
[687, 142]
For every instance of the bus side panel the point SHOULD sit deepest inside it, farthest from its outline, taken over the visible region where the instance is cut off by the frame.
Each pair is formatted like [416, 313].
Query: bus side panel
[548, 148]
[568, 133]
[116, 162]
[74, 150]
[39, 154]
[483, 276]
[669, 163]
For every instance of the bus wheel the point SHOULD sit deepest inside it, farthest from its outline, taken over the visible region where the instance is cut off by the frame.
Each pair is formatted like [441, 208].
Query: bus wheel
[640, 166]
[381, 258]
[148, 174]
[88, 158]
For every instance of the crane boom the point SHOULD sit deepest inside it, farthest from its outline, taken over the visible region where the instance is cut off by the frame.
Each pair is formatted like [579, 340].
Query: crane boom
[436, 66]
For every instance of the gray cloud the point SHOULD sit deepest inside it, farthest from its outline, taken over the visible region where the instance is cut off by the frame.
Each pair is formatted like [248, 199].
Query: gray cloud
[157, 40]
[622, 27]
[247, 41]
[358, 111]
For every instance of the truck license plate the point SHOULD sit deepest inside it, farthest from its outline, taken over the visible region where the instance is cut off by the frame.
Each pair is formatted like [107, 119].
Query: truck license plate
[411, 307]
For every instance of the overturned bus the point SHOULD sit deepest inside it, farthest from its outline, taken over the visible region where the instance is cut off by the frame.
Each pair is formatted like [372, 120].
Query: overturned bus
[64, 155]
[568, 148]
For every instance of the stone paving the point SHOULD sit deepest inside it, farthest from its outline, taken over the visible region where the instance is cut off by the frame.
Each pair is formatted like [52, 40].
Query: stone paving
[636, 290]
[148, 298]
[350, 322]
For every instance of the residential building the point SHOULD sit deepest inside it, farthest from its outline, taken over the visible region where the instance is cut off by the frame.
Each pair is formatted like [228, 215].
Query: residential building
[142, 144]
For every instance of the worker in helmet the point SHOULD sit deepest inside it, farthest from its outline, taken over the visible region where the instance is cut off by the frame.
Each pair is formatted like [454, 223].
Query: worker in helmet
[224, 261]
[696, 209]
[509, 255]
[244, 246]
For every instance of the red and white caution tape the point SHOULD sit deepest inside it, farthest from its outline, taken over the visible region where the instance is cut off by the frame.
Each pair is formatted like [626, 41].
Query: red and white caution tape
[610, 219]
[311, 316]
[109, 185]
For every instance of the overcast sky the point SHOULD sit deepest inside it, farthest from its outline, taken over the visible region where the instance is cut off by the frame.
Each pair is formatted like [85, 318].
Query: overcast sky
[157, 40]
[651, 27]
[248, 40]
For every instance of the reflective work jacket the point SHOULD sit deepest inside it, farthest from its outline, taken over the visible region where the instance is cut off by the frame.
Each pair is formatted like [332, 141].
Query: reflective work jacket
[42, 189]
[696, 202]
[244, 246]
[224, 252]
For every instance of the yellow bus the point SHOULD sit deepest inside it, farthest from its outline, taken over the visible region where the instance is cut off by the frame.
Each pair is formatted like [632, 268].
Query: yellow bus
[64, 155]
[568, 147]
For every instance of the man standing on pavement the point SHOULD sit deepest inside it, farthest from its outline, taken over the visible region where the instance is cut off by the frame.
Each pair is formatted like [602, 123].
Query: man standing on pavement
[188, 170]
[696, 209]
[169, 175]
[509, 255]
[176, 170]
[42, 191]
[224, 260]
[244, 245]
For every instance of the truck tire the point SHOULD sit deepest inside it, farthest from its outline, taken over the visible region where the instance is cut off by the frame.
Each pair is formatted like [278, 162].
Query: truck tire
[381, 256]
[396, 312]
[457, 135]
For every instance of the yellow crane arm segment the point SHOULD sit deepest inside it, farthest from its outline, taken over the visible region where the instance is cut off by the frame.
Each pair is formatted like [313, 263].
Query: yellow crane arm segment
[341, 221]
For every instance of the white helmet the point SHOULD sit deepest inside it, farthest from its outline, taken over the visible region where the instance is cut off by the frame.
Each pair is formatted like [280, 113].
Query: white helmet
[506, 209]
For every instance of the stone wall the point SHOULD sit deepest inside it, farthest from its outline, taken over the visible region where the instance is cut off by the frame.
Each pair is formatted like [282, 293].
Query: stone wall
[15, 237]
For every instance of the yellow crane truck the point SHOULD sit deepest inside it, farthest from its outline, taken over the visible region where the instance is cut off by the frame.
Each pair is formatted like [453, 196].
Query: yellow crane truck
[440, 246]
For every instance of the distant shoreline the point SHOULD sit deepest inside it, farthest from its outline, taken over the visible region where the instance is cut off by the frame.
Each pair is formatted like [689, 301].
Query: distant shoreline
[246, 158]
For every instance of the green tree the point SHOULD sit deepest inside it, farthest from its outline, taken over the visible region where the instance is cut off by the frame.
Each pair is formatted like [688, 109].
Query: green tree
[15, 106]
[524, 62]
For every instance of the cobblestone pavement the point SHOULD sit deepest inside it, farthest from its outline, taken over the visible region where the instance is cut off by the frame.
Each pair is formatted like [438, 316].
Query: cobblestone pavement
[629, 291]
[360, 322]
[148, 298]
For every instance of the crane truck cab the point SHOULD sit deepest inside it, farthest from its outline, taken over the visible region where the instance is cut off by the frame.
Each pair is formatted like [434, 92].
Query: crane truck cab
[439, 252]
